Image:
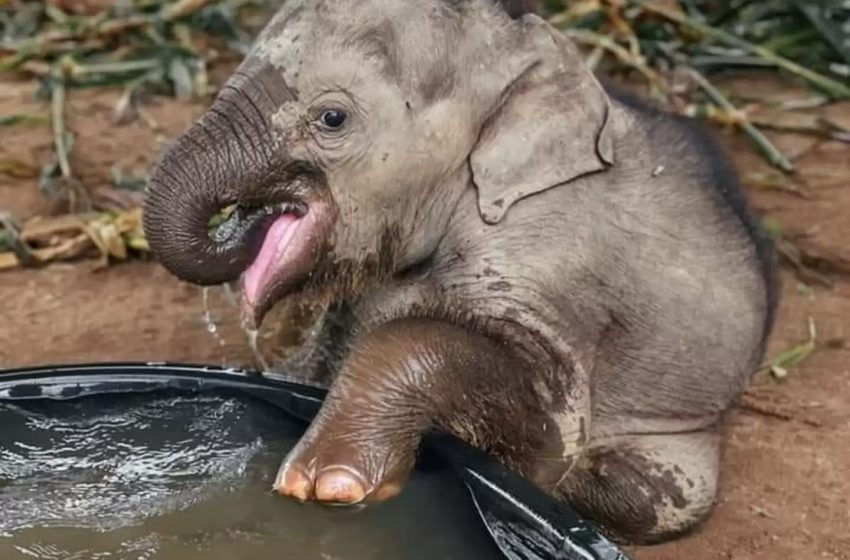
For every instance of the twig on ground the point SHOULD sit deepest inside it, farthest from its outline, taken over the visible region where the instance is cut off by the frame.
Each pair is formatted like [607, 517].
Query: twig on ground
[773, 155]
[778, 182]
[823, 129]
[810, 255]
[752, 405]
[57, 119]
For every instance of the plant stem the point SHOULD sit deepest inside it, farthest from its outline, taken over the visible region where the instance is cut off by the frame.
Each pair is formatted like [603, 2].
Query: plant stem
[595, 39]
[46, 42]
[773, 155]
[835, 88]
[57, 113]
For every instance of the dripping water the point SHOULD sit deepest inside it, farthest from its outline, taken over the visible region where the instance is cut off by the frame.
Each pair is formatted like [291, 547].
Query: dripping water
[305, 354]
[213, 326]
[252, 335]
[230, 295]
[209, 321]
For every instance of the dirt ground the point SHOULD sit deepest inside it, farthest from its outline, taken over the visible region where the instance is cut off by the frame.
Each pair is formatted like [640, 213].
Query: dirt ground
[785, 488]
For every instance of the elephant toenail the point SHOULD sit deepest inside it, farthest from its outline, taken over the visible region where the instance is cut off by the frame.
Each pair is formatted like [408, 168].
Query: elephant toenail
[340, 485]
[294, 483]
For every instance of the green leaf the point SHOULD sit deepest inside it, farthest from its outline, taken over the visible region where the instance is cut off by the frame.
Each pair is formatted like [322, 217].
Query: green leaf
[772, 227]
[782, 362]
[23, 119]
[826, 19]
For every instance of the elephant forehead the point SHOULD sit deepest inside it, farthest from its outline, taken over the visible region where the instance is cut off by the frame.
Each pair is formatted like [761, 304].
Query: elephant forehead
[310, 60]
[285, 42]
[394, 40]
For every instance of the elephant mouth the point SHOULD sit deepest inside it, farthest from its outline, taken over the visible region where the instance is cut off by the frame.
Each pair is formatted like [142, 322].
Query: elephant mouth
[288, 250]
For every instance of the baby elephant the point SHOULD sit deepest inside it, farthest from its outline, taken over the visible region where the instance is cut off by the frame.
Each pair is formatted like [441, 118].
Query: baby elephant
[551, 271]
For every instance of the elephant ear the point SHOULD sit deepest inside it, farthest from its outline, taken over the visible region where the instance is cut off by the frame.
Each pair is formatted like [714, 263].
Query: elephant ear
[551, 125]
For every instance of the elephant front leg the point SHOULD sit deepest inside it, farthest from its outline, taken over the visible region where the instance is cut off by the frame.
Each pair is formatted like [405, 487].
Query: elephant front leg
[401, 379]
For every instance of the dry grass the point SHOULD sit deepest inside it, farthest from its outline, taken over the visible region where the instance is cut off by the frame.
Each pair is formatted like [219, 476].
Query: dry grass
[159, 47]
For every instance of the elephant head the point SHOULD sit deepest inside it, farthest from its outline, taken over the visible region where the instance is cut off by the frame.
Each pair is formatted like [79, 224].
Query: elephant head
[351, 131]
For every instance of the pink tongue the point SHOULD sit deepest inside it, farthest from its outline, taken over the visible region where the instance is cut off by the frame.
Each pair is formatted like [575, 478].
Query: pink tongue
[274, 245]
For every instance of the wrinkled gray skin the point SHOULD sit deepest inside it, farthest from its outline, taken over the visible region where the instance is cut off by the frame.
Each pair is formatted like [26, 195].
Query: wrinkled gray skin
[554, 272]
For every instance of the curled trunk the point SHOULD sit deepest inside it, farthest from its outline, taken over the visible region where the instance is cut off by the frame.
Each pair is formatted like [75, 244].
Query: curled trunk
[227, 156]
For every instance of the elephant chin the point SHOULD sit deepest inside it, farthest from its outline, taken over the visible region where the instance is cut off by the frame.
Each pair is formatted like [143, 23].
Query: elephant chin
[289, 251]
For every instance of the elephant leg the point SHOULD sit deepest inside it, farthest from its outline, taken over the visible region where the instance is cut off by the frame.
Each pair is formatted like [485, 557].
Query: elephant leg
[646, 489]
[399, 380]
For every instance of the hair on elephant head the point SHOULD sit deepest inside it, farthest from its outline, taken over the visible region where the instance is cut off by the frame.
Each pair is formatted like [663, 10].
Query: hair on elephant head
[347, 136]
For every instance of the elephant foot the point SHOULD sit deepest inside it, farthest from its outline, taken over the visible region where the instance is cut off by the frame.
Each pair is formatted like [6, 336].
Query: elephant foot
[399, 380]
[334, 464]
[647, 488]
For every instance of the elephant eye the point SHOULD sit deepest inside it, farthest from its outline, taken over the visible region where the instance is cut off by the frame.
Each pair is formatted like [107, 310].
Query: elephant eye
[333, 119]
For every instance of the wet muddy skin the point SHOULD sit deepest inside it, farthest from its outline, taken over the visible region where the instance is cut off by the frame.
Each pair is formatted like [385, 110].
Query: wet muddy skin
[181, 477]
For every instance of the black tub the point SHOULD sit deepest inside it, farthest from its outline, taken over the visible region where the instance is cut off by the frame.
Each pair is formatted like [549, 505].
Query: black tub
[176, 461]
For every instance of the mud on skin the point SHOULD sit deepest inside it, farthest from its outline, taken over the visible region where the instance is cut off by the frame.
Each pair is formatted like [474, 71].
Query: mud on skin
[507, 261]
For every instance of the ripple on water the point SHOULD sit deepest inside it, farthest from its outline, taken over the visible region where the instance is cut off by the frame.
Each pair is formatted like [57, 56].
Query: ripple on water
[116, 466]
[174, 477]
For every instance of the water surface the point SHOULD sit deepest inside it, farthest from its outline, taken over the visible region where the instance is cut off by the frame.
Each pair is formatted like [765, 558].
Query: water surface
[179, 477]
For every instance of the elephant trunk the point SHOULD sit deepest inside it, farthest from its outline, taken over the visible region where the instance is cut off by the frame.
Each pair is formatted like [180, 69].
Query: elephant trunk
[227, 157]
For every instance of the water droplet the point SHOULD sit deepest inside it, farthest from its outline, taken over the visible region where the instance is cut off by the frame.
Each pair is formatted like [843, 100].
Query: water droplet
[209, 321]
